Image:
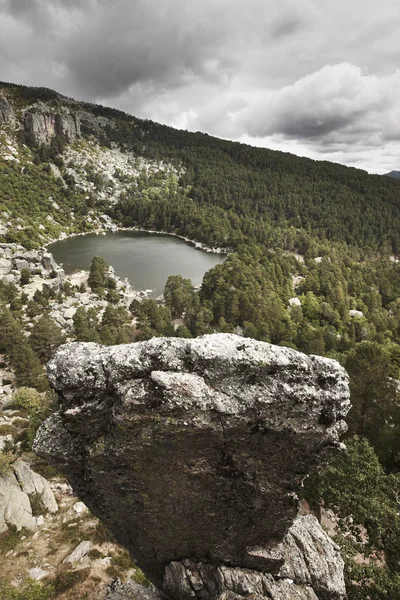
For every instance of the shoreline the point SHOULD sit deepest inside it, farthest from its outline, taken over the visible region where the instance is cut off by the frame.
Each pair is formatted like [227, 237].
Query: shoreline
[104, 230]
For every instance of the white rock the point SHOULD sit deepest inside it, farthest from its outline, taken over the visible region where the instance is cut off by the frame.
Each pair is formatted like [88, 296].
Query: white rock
[69, 313]
[40, 521]
[79, 552]
[80, 508]
[33, 483]
[5, 440]
[37, 573]
[294, 302]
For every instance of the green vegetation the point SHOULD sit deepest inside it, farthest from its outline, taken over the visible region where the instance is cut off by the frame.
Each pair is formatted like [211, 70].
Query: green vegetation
[31, 590]
[10, 539]
[27, 367]
[45, 338]
[7, 460]
[140, 578]
[357, 488]
[36, 407]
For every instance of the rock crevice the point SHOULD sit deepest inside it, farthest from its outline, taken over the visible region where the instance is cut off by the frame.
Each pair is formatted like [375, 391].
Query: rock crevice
[195, 450]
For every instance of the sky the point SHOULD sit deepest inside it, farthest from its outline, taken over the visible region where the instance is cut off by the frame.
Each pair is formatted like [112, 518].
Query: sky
[319, 78]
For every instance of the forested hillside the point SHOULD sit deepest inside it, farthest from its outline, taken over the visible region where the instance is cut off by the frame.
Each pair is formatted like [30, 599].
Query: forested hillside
[312, 265]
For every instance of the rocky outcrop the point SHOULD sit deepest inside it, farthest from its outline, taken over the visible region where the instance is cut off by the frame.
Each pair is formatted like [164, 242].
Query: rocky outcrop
[312, 568]
[43, 124]
[14, 258]
[18, 489]
[193, 451]
[6, 111]
[130, 591]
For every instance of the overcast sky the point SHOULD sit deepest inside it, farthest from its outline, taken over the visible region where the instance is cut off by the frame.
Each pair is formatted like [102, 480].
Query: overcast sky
[319, 78]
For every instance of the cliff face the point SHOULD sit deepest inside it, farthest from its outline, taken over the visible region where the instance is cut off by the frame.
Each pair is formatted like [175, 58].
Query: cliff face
[193, 451]
[6, 111]
[43, 124]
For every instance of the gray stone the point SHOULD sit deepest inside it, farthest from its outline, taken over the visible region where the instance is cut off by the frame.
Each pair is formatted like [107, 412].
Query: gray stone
[37, 574]
[69, 313]
[79, 553]
[6, 111]
[5, 266]
[49, 263]
[15, 508]
[130, 591]
[190, 581]
[32, 483]
[20, 264]
[194, 448]
[6, 441]
[9, 278]
[318, 555]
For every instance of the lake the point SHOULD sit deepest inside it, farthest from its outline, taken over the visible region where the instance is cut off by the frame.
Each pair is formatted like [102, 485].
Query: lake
[146, 259]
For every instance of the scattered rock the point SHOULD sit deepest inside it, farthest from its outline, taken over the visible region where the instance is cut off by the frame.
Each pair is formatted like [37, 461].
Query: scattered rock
[37, 574]
[79, 553]
[294, 302]
[130, 591]
[80, 508]
[358, 314]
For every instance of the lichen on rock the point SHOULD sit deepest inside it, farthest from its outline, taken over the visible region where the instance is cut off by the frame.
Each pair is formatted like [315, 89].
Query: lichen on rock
[195, 450]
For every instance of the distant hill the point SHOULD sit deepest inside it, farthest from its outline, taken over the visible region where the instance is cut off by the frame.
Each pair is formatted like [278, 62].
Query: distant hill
[395, 174]
[93, 159]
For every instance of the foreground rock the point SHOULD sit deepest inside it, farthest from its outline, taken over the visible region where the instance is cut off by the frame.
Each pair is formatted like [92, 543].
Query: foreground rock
[193, 451]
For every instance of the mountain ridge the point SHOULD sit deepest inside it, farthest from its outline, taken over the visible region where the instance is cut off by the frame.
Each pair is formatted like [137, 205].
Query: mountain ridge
[395, 174]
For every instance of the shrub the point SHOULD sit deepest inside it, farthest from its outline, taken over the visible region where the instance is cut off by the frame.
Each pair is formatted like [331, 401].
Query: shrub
[140, 578]
[37, 505]
[123, 561]
[27, 399]
[10, 539]
[6, 462]
[66, 580]
[25, 276]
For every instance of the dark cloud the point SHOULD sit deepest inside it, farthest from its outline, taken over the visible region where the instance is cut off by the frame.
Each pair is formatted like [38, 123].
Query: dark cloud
[312, 76]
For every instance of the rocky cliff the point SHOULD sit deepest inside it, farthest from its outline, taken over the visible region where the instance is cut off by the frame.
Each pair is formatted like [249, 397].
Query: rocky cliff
[6, 110]
[42, 124]
[193, 452]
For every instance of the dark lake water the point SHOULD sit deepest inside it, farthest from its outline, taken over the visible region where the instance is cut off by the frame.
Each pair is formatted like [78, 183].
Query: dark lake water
[146, 259]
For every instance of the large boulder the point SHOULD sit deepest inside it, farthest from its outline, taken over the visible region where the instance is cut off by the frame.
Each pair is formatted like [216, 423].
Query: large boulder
[195, 449]
[18, 488]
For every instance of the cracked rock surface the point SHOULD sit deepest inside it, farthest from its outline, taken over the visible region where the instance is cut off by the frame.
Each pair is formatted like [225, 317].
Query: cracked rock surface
[194, 450]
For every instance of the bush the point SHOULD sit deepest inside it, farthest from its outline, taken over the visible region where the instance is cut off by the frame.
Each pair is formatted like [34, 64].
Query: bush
[123, 561]
[27, 399]
[140, 578]
[66, 580]
[25, 276]
[37, 505]
[10, 539]
[6, 462]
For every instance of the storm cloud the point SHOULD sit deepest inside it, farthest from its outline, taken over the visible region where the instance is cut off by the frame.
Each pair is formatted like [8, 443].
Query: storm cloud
[309, 76]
